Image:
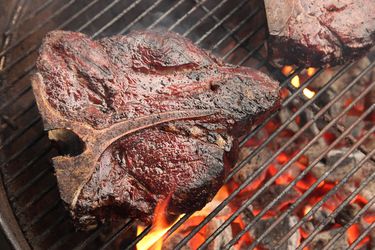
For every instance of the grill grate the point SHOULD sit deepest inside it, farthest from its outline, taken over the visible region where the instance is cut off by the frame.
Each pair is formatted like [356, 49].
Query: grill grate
[233, 30]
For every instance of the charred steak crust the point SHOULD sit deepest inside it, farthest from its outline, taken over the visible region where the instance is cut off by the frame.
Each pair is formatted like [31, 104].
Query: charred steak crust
[158, 118]
[320, 32]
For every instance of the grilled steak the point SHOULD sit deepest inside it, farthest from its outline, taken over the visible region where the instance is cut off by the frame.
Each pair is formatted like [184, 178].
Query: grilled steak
[158, 119]
[320, 32]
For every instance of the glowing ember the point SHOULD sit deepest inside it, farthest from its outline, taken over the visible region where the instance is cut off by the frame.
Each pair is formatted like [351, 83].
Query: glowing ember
[306, 209]
[286, 70]
[353, 233]
[295, 82]
[308, 93]
[311, 71]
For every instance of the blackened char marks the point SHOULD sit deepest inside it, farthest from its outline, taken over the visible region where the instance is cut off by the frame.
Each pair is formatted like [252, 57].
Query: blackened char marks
[320, 33]
[193, 109]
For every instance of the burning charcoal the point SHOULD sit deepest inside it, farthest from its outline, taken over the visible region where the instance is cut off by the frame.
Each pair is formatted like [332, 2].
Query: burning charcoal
[340, 84]
[369, 191]
[209, 229]
[173, 240]
[308, 227]
[347, 213]
[323, 238]
[349, 76]
[271, 194]
[320, 216]
[339, 173]
[273, 238]
[252, 166]
[284, 115]
[223, 238]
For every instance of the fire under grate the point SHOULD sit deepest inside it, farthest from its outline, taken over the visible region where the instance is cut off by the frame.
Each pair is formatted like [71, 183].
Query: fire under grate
[305, 179]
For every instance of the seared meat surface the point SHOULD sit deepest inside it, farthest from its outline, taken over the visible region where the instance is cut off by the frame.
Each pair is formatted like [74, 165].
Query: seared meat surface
[158, 119]
[320, 32]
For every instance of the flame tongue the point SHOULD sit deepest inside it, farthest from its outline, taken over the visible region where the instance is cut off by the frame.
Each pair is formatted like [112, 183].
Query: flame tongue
[153, 240]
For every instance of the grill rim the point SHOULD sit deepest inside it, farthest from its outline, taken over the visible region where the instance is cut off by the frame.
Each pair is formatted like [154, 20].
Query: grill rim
[8, 222]
[114, 236]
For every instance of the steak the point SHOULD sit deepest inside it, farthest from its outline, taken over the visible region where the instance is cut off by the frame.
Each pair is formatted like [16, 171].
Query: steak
[320, 32]
[156, 117]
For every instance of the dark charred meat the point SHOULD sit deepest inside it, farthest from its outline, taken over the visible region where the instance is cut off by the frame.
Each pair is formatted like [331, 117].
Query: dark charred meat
[320, 32]
[157, 118]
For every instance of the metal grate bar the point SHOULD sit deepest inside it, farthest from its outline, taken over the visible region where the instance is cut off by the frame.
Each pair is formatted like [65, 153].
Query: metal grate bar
[221, 21]
[166, 13]
[29, 69]
[124, 228]
[196, 6]
[264, 165]
[34, 48]
[113, 20]
[204, 17]
[255, 50]
[290, 185]
[139, 237]
[26, 73]
[240, 41]
[29, 164]
[36, 199]
[20, 133]
[49, 229]
[244, 39]
[40, 8]
[312, 188]
[42, 214]
[22, 150]
[318, 205]
[36, 28]
[18, 96]
[140, 16]
[235, 29]
[339, 208]
[89, 239]
[99, 14]
[61, 240]
[362, 236]
[355, 218]
[29, 184]
[96, 16]
[302, 174]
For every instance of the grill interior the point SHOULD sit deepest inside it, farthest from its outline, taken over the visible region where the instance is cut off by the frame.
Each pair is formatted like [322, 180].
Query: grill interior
[233, 30]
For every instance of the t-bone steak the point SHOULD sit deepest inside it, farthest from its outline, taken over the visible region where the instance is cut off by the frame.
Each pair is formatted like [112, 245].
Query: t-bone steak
[320, 32]
[158, 119]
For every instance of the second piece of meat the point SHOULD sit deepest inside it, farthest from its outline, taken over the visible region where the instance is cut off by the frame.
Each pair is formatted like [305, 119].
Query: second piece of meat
[320, 32]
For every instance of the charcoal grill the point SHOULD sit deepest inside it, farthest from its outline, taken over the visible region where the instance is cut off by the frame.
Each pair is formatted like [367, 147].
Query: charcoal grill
[31, 212]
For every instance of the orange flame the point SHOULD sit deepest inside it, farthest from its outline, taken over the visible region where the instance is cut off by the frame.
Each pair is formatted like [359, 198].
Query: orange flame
[311, 71]
[353, 233]
[153, 240]
[369, 218]
[287, 69]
